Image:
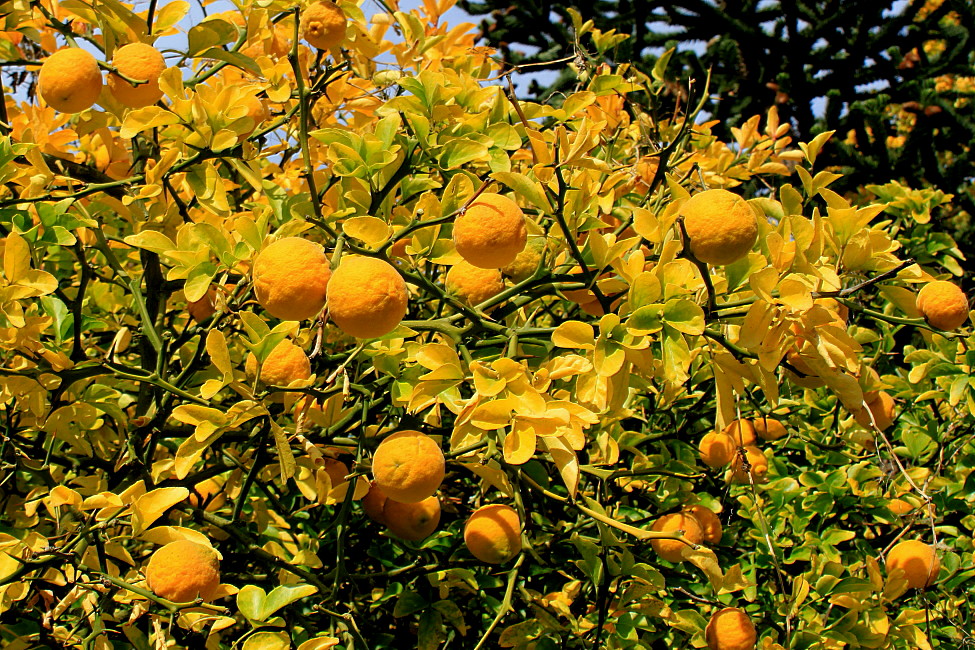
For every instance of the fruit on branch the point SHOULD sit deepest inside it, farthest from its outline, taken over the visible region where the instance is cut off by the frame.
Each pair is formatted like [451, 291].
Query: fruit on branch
[491, 232]
[323, 24]
[286, 363]
[730, 629]
[412, 521]
[757, 465]
[709, 521]
[367, 297]
[291, 276]
[184, 570]
[525, 262]
[671, 549]
[473, 285]
[880, 405]
[918, 561]
[943, 305]
[721, 226]
[408, 466]
[69, 80]
[205, 307]
[717, 449]
[493, 533]
[769, 428]
[140, 62]
[742, 432]
[373, 502]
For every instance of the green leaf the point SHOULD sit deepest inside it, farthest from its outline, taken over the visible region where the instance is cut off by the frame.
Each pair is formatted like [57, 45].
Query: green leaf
[284, 595]
[459, 152]
[250, 602]
[525, 187]
[684, 316]
[646, 319]
[408, 603]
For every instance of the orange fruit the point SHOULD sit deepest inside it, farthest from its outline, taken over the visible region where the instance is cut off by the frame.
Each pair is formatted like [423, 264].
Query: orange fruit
[69, 80]
[742, 432]
[881, 406]
[408, 466]
[493, 533]
[412, 521]
[721, 226]
[373, 502]
[183, 571]
[141, 62]
[525, 262]
[337, 471]
[918, 561]
[473, 285]
[769, 428]
[323, 24]
[491, 232]
[286, 363]
[367, 297]
[943, 305]
[291, 276]
[709, 521]
[717, 449]
[670, 549]
[730, 629]
[756, 460]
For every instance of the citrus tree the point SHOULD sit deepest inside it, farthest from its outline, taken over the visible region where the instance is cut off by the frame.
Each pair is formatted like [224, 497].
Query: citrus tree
[315, 335]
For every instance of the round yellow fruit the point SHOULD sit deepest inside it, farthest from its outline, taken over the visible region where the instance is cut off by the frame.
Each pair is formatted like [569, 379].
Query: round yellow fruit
[493, 533]
[721, 226]
[323, 24]
[757, 462]
[140, 62]
[491, 232]
[730, 629]
[473, 285]
[412, 521]
[742, 432]
[373, 503]
[291, 277]
[408, 466]
[367, 297]
[527, 261]
[286, 363]
[881, 406]
[709, 521]
[183, 571]
[943, 305]
[717, 449]
[918, 560]
[671, 549]
[69, 80]
[769, 428]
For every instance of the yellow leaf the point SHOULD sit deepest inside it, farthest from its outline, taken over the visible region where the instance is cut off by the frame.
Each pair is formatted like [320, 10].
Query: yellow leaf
[705, 560]
[285, 456]
[519, 444]
[219, 354]
[492, 415]
[371, 230]
[565, 460]
[165, 534]
[151, 506]
[16, 257]
[62, 495]
[574, 334]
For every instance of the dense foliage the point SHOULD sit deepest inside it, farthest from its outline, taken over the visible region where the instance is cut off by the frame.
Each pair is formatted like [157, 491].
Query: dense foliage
[153, 400]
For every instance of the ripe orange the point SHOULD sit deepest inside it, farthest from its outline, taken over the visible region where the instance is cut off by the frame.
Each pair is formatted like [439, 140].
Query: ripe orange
[205, 307]
[286, 363]
[373, 503]
[717, 449]
[473, 285]
[730, 629]
[881, 405]
[493, 533]
[670, 549]
[491, 232]
[769, 428]
[742, 432]
[943, 305]
[525, 262]
[408, 466]
[184, 570]
[918, 560]
[290, 278]
[141, 62]
[412, 521]
[323, 24]
[721, 226]
[69, 80]
[367, 297]
[710, 523]
[757, 461]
